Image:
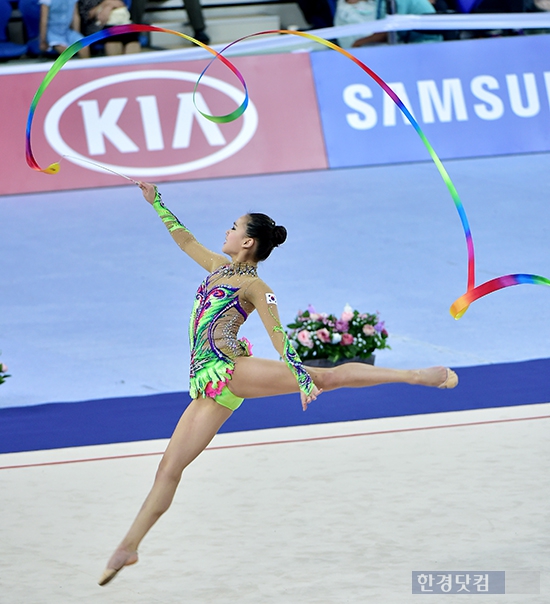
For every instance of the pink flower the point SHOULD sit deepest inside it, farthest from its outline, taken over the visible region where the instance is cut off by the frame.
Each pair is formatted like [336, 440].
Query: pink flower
[323, 335]
[304, 338]
[313, 314]
[369, 330]
[3, 368]
[347, 339]
[347, 315]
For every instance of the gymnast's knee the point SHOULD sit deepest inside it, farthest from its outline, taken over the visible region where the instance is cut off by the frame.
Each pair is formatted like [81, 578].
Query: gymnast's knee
[168, 472]
[326, 379]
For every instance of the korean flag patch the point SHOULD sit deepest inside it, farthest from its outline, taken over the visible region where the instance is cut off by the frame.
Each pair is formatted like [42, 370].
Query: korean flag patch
[270, 298]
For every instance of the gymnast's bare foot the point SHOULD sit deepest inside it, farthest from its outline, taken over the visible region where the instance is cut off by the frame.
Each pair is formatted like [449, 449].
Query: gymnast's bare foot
[118, 561]
[438, 377]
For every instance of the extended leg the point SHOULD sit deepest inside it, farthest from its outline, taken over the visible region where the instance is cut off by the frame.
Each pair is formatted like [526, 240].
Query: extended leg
[360, 375]
[196, 428]
[254, 377]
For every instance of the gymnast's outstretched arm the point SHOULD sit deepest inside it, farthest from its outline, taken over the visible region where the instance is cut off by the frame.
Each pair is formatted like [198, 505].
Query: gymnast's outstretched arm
[180, 234]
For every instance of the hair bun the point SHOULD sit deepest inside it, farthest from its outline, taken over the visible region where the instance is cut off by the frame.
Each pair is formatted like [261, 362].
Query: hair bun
[279, 235]
[267, 234]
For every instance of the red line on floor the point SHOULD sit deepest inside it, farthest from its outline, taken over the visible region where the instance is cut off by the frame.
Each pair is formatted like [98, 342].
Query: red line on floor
[283, 442]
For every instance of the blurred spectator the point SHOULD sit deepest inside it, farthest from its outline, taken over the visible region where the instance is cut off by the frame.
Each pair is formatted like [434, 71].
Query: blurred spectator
[536, 7]
[417, 7]
[137, 8]
[193, 9]
[357, 11]
[95, 15]
[60, 26]
[318, 13]
[30, 13]
[8, 50]
[501, 6]
[360, 11]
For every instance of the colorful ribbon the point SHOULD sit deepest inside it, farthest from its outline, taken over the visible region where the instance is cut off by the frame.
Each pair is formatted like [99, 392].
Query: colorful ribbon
[102, 35]
[461, 304]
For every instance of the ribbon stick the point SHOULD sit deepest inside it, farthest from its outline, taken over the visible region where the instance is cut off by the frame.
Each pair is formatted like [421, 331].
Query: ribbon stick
[93, 163]
[461, 304]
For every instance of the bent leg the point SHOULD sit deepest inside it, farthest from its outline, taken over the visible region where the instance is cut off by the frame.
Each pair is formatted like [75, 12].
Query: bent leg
[196, 428]
[254, 377]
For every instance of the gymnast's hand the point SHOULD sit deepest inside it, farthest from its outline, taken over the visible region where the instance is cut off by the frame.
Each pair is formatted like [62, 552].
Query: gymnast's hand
[148, 190]
[308, 398]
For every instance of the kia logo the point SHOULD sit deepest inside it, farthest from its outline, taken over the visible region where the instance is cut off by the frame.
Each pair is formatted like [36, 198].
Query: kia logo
[146, 128]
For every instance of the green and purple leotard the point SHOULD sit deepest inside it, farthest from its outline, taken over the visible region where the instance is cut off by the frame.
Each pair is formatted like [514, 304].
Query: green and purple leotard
[222, 304]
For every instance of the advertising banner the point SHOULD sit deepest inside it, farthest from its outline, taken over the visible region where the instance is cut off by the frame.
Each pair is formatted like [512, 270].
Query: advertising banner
[471, 98]
[144, 121]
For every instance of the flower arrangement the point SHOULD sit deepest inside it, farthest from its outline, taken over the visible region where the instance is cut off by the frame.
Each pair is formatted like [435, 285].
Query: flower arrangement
[320, 336]
[3, 374]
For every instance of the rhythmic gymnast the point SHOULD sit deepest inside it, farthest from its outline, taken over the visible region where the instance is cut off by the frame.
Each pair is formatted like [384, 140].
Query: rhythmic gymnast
[223, 373]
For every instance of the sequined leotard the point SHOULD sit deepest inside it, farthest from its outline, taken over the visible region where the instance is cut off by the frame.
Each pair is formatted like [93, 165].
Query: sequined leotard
[223, 302]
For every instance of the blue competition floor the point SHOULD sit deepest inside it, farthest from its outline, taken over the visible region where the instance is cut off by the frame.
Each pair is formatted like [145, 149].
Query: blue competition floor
[95, 296]
[129, 419]
[94, 301]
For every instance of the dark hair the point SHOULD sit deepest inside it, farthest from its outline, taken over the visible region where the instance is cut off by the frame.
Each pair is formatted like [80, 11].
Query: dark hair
[266, 233]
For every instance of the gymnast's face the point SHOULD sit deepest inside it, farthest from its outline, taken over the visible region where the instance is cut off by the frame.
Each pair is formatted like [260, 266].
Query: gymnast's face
[236, 237]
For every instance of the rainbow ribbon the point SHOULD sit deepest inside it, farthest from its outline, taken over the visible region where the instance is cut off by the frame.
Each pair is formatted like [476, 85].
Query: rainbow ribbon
[461, 304]
[102, 35]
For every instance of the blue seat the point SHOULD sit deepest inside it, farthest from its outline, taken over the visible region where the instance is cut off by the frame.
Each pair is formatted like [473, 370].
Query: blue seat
[8, 50]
